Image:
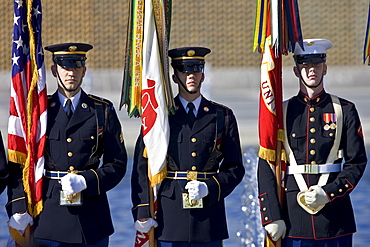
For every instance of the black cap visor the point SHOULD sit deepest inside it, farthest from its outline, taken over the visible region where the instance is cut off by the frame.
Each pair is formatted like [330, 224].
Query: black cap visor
[189, 66]
[310, 58]
[70, 61]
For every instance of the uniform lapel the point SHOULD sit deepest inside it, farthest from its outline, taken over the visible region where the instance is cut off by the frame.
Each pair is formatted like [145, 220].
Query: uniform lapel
[55, 110]
[181, 115]
[206, 113]
[84, 110]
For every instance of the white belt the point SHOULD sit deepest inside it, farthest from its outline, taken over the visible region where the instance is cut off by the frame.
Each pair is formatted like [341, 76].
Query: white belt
[314, 169]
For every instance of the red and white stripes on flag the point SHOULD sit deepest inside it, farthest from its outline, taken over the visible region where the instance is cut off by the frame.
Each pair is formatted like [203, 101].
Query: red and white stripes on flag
[28, 101]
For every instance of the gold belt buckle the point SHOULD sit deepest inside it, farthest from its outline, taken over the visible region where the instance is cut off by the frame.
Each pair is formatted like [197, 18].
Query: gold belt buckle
[190, 204]
[70, 200]
[192, 175]
[186, 202]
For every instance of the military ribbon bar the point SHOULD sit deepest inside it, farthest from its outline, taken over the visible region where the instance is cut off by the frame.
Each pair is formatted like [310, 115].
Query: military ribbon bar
[329, 117]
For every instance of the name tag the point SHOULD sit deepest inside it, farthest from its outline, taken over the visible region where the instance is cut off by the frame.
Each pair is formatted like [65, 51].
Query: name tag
[70, 200]
[190, 204]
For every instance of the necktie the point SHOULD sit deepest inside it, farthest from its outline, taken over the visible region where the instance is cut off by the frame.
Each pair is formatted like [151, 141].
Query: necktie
[69, 108]
[191, 115]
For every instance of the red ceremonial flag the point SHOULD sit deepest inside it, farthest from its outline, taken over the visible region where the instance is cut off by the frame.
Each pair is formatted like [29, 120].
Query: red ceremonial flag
[28, 101]
[277, 31]
[271, 125]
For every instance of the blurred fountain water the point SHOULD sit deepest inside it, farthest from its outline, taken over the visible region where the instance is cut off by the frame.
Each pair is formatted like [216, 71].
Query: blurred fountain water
[253, 233]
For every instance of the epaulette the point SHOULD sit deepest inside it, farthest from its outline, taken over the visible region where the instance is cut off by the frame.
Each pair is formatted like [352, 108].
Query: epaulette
[220, 105]
[99, 99]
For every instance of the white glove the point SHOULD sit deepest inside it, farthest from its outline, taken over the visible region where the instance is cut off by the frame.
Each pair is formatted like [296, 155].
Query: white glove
[73, 183]
[20, 221]
[276, 229]
[196, 189]
[315, 197]
[144, 226]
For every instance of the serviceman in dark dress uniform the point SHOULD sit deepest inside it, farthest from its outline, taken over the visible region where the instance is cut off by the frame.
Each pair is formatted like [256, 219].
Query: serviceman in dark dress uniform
[322, 132]
[203, 143]
[80, 129]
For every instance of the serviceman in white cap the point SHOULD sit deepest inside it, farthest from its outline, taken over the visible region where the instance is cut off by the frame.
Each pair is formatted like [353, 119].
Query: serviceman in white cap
[322, 131]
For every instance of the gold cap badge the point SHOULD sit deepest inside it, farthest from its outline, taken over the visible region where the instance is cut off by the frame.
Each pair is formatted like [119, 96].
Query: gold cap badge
[72, 48]
[191, 53]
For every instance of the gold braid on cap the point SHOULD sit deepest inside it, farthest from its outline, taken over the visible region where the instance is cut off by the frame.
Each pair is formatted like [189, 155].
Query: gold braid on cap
[178, 58]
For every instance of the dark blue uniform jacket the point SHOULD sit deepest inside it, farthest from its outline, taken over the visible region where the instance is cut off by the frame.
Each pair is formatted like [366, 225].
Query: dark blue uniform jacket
[70, 143]
[190, 150]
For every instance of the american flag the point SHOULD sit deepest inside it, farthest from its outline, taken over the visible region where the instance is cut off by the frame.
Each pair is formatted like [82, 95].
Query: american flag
[28, 101]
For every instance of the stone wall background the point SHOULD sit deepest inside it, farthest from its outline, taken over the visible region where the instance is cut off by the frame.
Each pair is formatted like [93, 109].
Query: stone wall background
[226, 27]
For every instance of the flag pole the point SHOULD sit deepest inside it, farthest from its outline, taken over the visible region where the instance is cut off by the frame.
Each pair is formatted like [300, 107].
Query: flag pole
[152, 240]
[279, 134]
[278, 180]
[278, 170]
[279, 144]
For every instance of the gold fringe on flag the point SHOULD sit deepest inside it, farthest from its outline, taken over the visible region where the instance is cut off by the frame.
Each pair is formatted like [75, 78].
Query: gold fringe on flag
[270, 154]
[33, 210]
[17, 157]
[157, 178]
